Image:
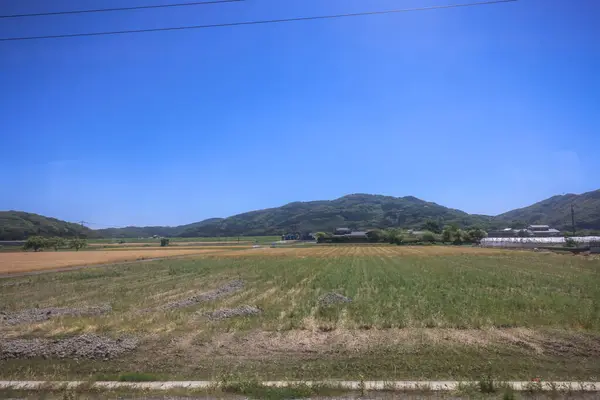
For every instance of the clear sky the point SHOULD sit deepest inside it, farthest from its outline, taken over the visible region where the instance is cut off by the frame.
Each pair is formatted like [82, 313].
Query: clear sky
[483, 109]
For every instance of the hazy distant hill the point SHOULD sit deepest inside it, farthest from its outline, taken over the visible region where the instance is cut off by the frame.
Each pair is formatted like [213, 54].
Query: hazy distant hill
[356, 211]
[556, 211]
[18, 225]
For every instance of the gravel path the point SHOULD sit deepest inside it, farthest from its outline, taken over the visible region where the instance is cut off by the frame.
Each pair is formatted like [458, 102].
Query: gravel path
[88, 346]
[43, 314]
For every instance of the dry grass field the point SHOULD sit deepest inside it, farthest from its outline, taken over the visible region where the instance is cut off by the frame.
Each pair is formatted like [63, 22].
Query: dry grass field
[426, 312]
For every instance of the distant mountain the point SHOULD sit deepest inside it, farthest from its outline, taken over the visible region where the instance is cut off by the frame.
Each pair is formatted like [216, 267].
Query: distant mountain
[356, 211]
[18, 225]
[556, 212]
[206, 226]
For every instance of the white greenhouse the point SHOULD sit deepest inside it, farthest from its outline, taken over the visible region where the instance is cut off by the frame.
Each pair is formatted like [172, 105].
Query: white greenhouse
[532, 242]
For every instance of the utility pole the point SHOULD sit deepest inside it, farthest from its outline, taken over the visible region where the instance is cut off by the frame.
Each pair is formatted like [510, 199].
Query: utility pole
[573, 218]
[82, 226]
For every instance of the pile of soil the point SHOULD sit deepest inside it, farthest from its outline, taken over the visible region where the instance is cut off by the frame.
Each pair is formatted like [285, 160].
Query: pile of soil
[88, 346]
[233, 312]
[43, 314]
[331, 298]
[229, 288]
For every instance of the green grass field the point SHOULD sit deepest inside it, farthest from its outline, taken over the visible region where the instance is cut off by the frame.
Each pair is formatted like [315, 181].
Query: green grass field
[416, 313]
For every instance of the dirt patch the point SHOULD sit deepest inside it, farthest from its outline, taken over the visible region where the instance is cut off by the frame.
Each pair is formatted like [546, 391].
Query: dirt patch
[43, 314]
[265, 343]
[87, 346]
[242, 311]
[229, 288]
[331, 298]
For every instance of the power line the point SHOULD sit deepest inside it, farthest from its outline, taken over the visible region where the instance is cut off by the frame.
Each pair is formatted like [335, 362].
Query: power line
[196, 3]
[263, 22]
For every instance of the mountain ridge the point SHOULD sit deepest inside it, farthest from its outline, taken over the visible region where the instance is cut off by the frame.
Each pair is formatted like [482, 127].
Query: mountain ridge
[356, 211]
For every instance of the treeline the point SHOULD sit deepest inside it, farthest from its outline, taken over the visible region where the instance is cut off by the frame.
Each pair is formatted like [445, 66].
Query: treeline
[39, 243]
[449, 235]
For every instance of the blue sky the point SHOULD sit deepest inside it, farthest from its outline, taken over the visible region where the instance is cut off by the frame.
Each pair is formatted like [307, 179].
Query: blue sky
[483, 109]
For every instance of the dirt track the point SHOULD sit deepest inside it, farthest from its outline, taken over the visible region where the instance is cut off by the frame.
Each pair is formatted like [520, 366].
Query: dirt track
[21, 262]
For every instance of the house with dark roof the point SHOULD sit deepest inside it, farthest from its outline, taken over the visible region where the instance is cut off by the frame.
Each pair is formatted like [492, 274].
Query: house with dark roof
[357, 235]
[532, 230]
[543, 231]
[342, 231]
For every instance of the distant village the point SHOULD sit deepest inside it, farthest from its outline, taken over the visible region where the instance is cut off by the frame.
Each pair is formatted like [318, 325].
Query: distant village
[539, 231]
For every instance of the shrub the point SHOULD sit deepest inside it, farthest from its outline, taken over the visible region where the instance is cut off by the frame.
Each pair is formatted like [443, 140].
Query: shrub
[56, 243]
[397, 239]
[391, 236]
[428, 237]
[137, 377]
[475, 235]
[486, 384]
[36, 243]
[164, 242]
[375, 236]
[321, 237]
[570, 242]
[77, 244]
[447, 235]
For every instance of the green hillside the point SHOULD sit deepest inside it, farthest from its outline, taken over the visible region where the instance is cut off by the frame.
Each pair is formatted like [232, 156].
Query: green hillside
[18, 225]
[556, 212]
[356, 211]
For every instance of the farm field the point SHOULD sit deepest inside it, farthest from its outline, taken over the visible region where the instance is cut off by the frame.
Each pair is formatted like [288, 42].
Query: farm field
[17, 262]
[322, 312]
[192, 240]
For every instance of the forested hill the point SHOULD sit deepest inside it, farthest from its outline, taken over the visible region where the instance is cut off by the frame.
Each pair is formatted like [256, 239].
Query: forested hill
[356, 211]
[18, 225]
[556, 212]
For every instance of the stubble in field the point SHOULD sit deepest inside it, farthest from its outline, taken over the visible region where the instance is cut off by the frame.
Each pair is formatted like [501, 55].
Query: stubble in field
[415, 312]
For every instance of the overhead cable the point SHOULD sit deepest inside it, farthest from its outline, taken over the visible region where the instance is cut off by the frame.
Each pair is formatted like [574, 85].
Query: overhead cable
[99, 10]
[259, 22]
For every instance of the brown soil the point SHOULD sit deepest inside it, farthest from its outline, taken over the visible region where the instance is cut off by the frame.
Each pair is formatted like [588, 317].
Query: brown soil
[11, 263]
[157, 244]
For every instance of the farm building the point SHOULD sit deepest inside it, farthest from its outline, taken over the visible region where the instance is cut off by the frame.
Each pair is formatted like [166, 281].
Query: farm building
[540, 231]
[355, 235]
[342, 231]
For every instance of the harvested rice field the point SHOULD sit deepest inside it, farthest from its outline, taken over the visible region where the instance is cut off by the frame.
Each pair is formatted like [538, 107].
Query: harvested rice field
[322, 312]
[19, 262]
